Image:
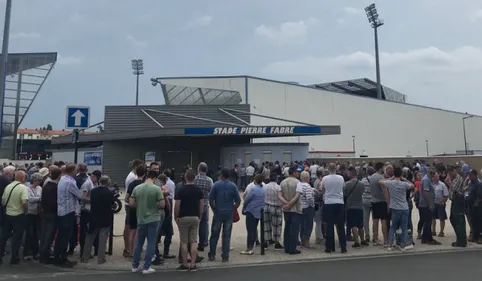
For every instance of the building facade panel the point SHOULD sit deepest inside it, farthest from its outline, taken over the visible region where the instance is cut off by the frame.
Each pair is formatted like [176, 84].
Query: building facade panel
[262, 152]
[131, 118]
[377, 127]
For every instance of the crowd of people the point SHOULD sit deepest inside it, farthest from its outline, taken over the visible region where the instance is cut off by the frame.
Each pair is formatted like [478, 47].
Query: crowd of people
[62, 205]
[55, 208]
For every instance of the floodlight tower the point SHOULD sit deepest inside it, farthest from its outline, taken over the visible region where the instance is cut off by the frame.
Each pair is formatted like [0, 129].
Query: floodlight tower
[375, 22]
[138, 70]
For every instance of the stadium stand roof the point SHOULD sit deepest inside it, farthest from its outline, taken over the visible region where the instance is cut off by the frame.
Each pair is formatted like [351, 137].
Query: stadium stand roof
[362, 87]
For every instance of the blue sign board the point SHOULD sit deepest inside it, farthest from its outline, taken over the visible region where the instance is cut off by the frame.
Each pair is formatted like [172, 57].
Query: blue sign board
[93, 158]
[78, 117]
[254, 130]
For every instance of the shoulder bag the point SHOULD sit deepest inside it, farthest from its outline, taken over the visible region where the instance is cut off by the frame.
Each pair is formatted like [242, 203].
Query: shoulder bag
[3, 208]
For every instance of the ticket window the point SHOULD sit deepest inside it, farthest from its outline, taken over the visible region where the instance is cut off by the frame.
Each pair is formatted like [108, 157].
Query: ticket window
[266, 156]
[247, 157]
[287, 156]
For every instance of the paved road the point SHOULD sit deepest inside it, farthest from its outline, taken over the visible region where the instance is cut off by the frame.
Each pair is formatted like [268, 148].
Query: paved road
[447, 266]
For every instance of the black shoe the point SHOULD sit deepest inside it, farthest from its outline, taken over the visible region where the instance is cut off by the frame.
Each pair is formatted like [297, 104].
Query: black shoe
[356, 245]
[70, 252]
[257, 243]
[158, 261]
[328, 251]
[225, 260]
[434, 243]
[183, 268]
[211, 258]
[199, 259]
[167, 256]
[193, 268]
[296, 252]
[65, 264]
[271, 242]
[278, 246]
[344, 251]
[365, 243]
[459, 245]
[200, 248]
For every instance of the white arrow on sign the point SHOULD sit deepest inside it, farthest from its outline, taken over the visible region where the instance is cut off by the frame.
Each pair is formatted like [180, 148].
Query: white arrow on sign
[78, 115]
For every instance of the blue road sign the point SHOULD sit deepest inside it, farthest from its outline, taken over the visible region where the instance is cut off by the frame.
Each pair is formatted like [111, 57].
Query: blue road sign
[78, 117]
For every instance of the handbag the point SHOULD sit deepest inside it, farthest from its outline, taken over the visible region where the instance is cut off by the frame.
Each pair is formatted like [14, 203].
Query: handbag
[236, 217]
[3, 208]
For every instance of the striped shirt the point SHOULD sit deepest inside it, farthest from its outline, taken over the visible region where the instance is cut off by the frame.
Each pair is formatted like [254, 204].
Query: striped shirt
[307, 198]
[68, 196]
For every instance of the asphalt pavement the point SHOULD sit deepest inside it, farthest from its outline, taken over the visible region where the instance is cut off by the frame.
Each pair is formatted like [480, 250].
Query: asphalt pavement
[443, 266]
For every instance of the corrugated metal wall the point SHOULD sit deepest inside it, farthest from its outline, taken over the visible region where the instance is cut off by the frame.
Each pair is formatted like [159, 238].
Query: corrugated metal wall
[131, 118]
[118, 154]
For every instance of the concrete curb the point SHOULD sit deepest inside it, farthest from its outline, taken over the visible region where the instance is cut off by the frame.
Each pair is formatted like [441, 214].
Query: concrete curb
[255, 263]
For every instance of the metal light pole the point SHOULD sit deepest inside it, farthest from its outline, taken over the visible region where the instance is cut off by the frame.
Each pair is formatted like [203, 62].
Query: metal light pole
[426, 146]
[465, 136]
[3, 61]
[138, 70]
[354, 144]
[375, 23]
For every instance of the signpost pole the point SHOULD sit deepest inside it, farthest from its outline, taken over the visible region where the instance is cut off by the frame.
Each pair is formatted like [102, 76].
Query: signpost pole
[75, 135]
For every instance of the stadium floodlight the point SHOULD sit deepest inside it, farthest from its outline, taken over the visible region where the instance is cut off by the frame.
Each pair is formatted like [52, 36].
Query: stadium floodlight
[375, 22]
[137, 70]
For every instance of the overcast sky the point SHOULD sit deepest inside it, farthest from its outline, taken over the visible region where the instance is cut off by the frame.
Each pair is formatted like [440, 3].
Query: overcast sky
[431, 49]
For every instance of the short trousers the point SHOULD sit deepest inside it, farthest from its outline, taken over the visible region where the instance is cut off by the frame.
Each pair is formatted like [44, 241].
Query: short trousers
[379, 211]
[354, 218]
[127, 221]
[439, 213]
[188, 230]
[132, 218]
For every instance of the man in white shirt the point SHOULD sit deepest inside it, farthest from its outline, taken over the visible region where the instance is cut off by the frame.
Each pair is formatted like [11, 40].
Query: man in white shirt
[334, 211]
[249, 173]
[313, 168]
[130, 178]
[89, 184]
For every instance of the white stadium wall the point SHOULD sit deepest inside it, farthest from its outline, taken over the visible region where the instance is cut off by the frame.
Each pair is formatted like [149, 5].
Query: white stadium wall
[381, 128]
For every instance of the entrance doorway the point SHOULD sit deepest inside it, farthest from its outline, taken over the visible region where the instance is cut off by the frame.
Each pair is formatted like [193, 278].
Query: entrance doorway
[176, 160]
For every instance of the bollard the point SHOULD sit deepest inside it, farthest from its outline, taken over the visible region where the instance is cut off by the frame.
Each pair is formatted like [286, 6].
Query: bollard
[262, 232]
[111, 237]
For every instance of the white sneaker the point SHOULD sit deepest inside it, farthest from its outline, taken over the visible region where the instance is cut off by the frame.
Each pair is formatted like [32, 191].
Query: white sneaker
[134, 270]
[149, 271]
[389, 248]
[409, 247]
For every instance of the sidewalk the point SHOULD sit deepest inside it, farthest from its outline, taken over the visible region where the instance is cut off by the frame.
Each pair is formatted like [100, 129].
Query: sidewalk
[238, 241]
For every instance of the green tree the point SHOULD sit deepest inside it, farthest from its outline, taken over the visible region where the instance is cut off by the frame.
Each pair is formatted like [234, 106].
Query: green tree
[49, 127]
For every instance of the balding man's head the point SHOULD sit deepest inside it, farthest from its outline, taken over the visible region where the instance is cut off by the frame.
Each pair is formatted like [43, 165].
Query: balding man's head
[20, 176]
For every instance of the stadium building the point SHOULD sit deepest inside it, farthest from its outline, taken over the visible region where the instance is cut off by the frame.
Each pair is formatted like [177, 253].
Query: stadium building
[369, 126]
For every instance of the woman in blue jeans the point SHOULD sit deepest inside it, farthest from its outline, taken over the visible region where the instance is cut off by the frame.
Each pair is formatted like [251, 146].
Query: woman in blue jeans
[395, 191]
[253, 203]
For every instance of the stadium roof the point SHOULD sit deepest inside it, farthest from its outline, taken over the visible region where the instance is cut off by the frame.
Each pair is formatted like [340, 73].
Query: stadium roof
[362, 87]
[185, 95]
[26, 74]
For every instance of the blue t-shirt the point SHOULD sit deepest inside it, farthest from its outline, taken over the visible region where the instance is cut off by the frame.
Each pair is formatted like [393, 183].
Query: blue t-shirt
[224, 194]
[426, 186]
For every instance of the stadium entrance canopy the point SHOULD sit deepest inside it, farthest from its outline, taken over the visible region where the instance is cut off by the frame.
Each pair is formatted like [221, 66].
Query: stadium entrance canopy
[25, 76]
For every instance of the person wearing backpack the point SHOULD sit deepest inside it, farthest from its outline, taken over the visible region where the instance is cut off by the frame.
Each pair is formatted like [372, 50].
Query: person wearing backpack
[13, 220]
